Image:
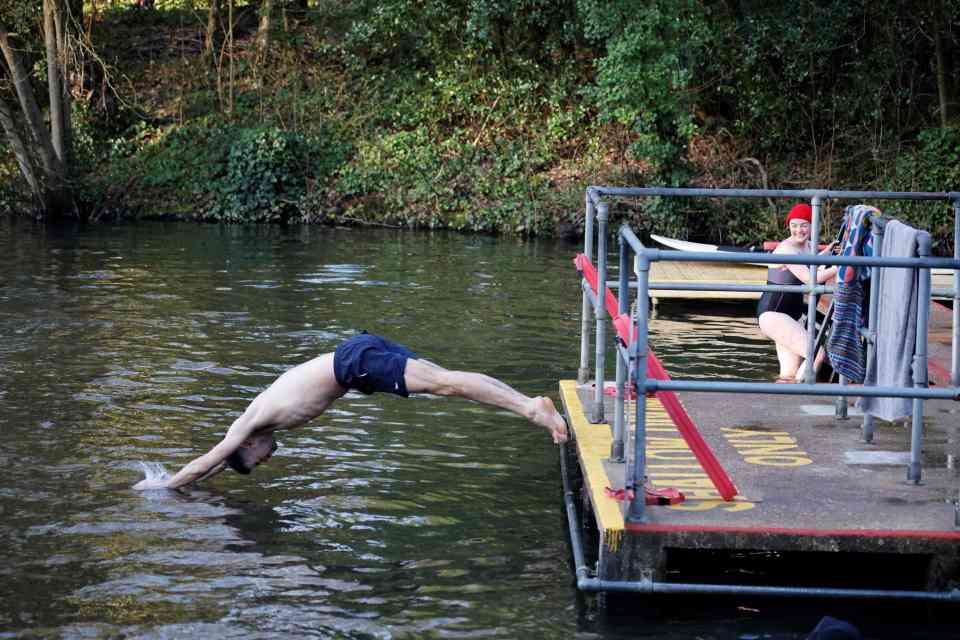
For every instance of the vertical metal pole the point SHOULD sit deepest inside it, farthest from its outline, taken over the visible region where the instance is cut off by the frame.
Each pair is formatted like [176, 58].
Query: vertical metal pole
[583, 374]
[840, 405]
[623, 303]
[809, 374]
[600, 313]
[635, 507]
[915, 471]
[631, 376]
[955, 360]
[877, 228]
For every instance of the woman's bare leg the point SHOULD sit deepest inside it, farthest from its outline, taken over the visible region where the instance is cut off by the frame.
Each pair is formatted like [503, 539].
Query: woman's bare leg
[790, 363]
[790, 338]
[422, 376]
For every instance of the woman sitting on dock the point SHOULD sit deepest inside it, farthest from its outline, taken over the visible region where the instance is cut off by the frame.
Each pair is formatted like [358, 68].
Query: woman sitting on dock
[778, 312]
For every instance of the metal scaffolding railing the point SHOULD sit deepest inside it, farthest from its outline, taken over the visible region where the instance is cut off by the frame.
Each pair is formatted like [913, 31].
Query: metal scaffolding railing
[635, 354]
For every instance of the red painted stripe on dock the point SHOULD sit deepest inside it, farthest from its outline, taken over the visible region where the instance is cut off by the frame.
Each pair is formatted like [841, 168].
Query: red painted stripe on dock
[822, 533]
[685, 425]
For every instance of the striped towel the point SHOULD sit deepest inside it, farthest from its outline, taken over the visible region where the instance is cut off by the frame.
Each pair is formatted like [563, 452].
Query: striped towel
[856, 240]
[844, 347]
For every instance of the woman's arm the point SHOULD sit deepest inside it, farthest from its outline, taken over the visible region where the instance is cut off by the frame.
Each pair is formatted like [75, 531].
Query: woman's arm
[802, 272]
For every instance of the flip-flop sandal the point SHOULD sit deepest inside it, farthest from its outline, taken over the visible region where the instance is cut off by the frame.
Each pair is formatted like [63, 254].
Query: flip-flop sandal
[786, 381]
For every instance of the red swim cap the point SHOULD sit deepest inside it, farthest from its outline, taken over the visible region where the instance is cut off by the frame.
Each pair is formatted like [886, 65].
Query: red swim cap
[800, 211]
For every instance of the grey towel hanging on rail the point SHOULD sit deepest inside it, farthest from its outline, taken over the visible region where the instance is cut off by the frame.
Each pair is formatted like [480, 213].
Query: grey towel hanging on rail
[896, 330]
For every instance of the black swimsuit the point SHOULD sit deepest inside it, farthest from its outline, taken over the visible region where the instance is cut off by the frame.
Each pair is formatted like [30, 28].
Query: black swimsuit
[782, 301]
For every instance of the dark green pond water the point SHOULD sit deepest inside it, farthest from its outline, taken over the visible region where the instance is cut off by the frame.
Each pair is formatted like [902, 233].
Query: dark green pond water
[385, 518]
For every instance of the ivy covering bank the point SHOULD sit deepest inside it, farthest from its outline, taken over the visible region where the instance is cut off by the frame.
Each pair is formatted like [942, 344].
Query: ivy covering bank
[488, 115]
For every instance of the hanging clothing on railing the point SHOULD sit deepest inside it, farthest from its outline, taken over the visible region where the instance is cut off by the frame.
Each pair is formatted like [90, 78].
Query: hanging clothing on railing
[896, 330]
[844, 346]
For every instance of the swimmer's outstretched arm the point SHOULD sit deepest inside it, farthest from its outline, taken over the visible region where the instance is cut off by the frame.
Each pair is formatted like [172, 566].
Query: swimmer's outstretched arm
[214, 461]
[297, 396]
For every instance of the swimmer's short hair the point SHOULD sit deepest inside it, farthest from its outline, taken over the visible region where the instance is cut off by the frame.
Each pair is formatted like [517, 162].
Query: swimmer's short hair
[236, 462]
[245, 458]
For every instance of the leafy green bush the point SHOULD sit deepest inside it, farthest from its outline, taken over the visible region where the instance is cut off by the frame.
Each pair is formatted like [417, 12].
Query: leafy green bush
[407, 178]
[226, 172]
[265, 174]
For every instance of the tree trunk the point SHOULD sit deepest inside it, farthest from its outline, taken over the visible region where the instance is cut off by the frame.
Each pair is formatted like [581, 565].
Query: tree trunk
[213, 25]
[54, 79]
[263, 33]
[230, 36]
[13, 130]
[28, 104]
[59, 20]
[91, 20]
[34, 145]
[943, 74]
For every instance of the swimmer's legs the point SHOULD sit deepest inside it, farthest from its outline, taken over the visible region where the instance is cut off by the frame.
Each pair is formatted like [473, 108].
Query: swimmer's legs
[422, 376]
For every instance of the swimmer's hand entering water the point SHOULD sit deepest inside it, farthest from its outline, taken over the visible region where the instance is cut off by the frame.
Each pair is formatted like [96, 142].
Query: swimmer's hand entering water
[158, 478]
[148, 484]
[155, 477]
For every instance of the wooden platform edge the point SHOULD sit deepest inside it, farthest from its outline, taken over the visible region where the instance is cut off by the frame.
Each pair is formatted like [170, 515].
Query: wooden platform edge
[593, 446]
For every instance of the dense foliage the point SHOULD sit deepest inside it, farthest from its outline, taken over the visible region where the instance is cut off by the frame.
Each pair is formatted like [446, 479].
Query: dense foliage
[494, 115]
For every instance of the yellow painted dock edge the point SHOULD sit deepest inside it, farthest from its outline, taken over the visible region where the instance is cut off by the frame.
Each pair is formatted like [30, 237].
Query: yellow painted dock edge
[593, 446]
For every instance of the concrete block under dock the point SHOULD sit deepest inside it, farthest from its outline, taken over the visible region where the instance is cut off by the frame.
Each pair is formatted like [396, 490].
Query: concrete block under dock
[809, 490]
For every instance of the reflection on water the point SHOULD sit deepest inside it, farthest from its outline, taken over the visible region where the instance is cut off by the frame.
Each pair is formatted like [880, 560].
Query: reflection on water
[386, 518]
[711, 340]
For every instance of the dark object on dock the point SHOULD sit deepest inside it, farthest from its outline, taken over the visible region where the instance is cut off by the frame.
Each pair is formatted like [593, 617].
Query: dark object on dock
[832, 629]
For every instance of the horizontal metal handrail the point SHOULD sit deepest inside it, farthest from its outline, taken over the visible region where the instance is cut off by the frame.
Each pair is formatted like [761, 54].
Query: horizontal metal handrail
[936, 292]
[651, 587]
[741, 288]
[800, 389]
[719, 286]
[594, 193]
[801, 259]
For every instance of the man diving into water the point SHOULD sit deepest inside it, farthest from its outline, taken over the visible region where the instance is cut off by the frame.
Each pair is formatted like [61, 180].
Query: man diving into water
[368, 364]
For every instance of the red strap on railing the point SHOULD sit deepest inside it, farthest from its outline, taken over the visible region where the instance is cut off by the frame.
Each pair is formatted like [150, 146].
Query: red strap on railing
[669, 400]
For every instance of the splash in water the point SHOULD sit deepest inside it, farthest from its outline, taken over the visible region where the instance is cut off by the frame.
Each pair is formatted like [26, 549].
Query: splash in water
[154, 471]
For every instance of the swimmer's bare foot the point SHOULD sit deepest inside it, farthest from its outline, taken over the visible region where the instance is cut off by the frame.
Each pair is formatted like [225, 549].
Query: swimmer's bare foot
[544, 413]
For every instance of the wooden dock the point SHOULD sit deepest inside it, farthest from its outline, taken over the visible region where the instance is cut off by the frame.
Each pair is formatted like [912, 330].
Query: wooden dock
[662, 272]
[808, 487]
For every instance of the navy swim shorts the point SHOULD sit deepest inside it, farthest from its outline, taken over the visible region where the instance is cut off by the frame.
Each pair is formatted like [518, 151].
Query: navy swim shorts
[369, 363]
